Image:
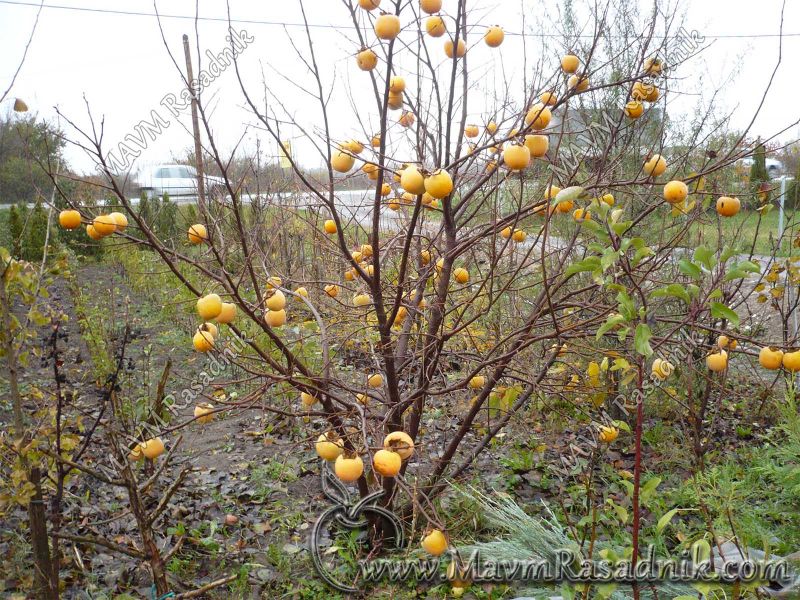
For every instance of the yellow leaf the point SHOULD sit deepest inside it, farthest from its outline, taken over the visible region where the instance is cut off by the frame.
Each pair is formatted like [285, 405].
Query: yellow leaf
[599, 398]
[69, 442]
[593, 370]
[620, 364]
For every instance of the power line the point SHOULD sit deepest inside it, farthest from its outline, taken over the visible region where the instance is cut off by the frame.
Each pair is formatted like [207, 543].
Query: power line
[132, 13]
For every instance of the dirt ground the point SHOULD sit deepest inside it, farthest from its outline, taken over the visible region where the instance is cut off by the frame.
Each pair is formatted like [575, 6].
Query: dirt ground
[254, 489]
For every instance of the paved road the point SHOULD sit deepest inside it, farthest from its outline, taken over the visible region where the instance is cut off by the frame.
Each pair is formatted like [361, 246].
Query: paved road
[354, 206]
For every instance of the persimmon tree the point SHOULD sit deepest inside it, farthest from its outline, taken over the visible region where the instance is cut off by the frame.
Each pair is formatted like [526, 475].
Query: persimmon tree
[528, 251]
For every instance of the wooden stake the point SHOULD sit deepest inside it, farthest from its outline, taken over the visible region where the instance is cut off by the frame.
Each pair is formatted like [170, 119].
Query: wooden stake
[198, 156]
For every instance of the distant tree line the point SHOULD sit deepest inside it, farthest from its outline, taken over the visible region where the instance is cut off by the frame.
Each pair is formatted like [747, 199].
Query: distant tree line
[28, 149]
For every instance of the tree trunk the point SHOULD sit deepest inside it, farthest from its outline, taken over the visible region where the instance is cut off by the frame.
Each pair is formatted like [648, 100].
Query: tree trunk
[46, 588]
[148, 541]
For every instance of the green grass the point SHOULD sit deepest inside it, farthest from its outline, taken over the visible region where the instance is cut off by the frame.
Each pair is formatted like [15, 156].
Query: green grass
[742, 229]
[5, 237]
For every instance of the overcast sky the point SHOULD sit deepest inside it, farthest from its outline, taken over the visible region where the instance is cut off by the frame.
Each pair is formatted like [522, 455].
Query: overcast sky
[120, 64]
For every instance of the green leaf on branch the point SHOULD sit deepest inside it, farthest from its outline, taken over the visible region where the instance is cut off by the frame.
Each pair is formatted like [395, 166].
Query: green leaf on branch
[687, 267]
[626, 306]
[590, 263]
[595, 229]
[748, 266]
[610, 323]
[734, 273]
[622, 227]
[676, 290]
[705, 256]
[641, 253]
[720, 311]
[610, 256]
[727, 252]
[741, 269]
[641, 340]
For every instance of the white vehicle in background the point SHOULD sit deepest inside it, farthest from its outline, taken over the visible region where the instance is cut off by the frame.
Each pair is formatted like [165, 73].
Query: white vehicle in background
[774, 167]
[175, 180]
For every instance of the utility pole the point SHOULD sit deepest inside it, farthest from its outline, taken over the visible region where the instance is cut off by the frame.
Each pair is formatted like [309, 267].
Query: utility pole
[198, 156]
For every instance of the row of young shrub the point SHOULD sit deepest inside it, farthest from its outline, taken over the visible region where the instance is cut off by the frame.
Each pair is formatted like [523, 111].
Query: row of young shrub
[23, 229]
